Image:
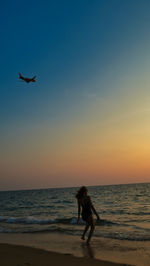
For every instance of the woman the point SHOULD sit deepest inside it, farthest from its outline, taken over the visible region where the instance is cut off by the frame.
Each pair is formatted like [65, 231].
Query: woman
[85, 203]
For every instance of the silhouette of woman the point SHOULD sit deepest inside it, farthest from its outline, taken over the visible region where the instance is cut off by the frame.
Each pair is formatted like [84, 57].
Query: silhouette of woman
[85, 203]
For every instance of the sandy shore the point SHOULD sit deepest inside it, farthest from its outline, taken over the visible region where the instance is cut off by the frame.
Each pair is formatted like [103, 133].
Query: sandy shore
[101, 249]
[13, 255]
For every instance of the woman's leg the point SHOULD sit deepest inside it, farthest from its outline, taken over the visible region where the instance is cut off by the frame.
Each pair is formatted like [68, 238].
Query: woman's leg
[85, 230]
[92, 225]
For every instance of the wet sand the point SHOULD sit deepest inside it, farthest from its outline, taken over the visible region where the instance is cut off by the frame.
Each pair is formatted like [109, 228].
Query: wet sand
[14, 255]
[119, 252]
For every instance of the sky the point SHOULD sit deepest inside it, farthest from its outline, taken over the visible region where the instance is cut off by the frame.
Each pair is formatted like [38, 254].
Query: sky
[86, 120]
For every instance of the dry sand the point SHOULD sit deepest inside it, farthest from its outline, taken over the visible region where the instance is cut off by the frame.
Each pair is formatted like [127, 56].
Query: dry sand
[13, 255]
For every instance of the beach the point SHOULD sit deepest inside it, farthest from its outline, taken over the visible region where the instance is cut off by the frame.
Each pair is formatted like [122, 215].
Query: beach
[75, 133]
[13, 255]
[69, 248]
[47, 220]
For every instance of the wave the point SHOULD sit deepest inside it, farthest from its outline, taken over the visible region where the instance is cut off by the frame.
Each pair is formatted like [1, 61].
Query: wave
[36, 225]
[124, 212]
[27, 220]
[127, 237]
[34, 220]
[74, 232]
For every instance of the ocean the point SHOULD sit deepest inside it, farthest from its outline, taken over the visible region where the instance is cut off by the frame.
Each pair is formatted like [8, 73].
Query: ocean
[124, 211]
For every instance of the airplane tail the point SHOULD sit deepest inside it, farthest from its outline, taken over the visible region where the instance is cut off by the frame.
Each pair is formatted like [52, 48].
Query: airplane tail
[33, 79]
[20, 76]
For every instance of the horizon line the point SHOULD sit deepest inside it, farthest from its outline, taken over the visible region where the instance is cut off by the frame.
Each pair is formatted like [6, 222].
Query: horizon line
[30, 189]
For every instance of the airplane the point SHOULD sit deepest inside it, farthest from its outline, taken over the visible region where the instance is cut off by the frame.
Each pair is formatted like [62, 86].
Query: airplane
[27, 79]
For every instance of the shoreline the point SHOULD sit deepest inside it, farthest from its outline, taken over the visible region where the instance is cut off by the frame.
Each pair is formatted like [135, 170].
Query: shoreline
[18, 255]
[101, 249]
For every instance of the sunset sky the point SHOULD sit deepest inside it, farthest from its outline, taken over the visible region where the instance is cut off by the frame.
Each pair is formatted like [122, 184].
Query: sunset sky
[86, 121]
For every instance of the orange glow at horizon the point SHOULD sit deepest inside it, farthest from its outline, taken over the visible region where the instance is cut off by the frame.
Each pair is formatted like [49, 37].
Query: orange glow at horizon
[109, 143]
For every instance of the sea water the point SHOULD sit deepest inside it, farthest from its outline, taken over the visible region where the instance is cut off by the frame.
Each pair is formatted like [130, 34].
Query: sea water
[124, 211]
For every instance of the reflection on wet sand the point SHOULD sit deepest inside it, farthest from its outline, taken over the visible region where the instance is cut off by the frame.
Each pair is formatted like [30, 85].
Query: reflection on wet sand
[87, 250]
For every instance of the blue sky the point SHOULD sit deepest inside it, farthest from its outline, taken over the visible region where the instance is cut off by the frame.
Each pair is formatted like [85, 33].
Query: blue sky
[66, 44]
[79, 50]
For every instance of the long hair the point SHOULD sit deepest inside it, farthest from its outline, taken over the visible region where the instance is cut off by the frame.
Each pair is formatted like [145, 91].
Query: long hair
[81, 192]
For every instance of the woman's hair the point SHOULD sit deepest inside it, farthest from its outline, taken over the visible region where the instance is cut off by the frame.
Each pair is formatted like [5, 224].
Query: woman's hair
[81, 192]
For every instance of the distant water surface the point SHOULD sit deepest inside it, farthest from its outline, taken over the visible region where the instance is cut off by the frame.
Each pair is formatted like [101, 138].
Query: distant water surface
[124, 211]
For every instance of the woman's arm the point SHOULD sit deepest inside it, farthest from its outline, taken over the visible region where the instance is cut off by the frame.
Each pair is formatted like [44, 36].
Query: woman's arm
[93, 209]
[79, 211]
[95, 212]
